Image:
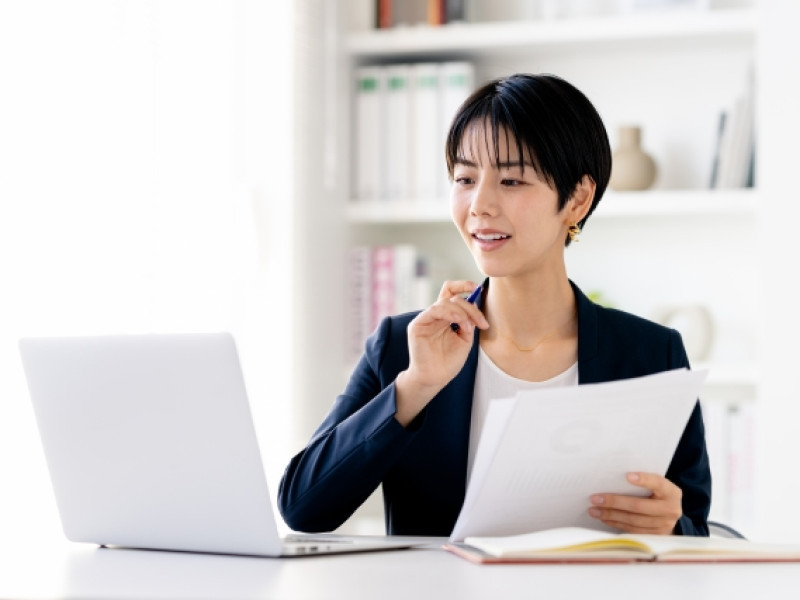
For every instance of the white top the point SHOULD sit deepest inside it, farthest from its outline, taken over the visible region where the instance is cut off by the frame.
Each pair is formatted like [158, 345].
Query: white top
[492, 382]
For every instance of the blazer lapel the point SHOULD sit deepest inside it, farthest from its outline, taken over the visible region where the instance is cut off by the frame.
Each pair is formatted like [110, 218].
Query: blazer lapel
[460, 392]
[588, 338]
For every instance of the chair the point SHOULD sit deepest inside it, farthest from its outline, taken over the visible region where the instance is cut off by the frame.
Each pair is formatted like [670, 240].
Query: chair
[717, 529]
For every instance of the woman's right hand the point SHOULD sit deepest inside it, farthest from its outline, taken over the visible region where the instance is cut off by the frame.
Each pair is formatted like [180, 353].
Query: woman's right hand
[437, 352]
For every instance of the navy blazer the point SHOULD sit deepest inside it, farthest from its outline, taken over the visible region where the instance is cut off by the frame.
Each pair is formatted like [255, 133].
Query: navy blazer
[423, 468]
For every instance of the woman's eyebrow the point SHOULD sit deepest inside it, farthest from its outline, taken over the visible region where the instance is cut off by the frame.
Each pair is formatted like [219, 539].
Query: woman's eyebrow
[510, 164]
[507, 164]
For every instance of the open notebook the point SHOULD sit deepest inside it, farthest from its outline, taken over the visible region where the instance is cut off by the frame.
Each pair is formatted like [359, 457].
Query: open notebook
[150, 443]
[579, 544]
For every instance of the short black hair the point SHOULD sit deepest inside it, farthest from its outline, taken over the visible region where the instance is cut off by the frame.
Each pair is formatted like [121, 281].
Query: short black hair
[550, 120]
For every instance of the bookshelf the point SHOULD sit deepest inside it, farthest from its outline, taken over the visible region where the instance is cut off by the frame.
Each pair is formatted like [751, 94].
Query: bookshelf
[679, 243]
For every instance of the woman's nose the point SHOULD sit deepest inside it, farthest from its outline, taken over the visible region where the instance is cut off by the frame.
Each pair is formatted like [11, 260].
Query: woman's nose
[484, 201]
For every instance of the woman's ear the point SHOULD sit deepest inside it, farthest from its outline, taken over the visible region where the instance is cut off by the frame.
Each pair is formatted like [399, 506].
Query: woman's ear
[581, 200]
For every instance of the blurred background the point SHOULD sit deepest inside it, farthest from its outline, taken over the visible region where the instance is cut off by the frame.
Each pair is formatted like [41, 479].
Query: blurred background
[253, 166]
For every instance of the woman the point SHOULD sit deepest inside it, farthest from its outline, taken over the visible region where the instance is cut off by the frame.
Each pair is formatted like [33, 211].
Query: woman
[529, 159]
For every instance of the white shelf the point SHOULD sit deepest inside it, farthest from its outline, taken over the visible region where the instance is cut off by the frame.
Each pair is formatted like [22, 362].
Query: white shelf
[657, 203]
[433, 210]
[743, 375]
[473, 38]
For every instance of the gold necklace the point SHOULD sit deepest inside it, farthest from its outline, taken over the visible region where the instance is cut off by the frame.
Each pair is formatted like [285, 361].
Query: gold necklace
[542, 340]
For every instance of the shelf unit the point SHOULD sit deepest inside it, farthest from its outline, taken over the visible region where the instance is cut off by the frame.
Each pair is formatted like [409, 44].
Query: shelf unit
[473, 39]
[664, 203]
[678, 243]
[634, 54]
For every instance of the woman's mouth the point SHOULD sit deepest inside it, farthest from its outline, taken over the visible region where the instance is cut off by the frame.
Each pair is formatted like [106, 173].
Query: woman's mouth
[490, 240]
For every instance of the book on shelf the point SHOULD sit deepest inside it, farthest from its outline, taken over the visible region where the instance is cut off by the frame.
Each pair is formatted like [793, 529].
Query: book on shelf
[733, 161]
[397, 147]
[455, 11]
[402, 13]
[458, 81]
[428, 161]
[584, 545]
[385, 279]
[369, 108]
[741, 466]
[394, 281]
[730, 442]
[359, 294]
[384, 17]
[723, 116]
[406, 13]
[435, 12]
[401, 114]
[383, 284]
[715, 420]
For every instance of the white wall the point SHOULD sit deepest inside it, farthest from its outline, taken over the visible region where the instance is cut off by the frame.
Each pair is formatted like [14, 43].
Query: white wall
[145, 160]
[778, 424]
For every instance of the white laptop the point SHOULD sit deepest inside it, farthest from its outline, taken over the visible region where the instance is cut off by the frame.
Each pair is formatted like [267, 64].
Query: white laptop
[150, 444]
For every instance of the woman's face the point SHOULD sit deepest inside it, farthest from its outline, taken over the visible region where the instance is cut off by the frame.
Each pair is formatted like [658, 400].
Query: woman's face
[506, 214]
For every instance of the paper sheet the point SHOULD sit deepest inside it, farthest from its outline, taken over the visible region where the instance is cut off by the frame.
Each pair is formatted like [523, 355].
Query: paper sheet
[543, 453]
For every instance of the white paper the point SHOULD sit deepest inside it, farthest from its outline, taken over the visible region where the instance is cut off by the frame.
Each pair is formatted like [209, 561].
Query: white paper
[543, 453]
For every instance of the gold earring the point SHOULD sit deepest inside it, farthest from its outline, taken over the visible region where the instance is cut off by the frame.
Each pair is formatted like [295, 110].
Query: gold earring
[574, 231]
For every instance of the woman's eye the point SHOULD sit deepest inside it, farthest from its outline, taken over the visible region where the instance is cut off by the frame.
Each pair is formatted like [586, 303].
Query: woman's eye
[511, 182]
[463, 180]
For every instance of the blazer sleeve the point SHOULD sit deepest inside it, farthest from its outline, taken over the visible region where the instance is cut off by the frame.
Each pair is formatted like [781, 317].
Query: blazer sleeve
[689, 469]
[351, 451]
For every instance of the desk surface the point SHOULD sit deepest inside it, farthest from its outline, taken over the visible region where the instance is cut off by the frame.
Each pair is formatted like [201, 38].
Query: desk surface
[78, 571]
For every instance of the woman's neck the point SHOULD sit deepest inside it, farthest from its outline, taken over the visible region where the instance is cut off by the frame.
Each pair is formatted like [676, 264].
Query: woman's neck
[529, 307]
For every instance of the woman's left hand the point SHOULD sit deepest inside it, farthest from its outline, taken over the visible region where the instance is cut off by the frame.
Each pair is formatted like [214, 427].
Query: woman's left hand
[656, 513]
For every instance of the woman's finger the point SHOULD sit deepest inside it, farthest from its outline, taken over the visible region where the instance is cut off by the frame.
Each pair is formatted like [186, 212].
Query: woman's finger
[472, 311]
[456, 288]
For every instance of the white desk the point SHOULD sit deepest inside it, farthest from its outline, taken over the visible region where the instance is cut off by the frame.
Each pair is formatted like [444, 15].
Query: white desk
[77, 571]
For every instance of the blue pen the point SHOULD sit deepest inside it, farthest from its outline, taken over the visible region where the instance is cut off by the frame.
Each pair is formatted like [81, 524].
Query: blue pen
[472, 298]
